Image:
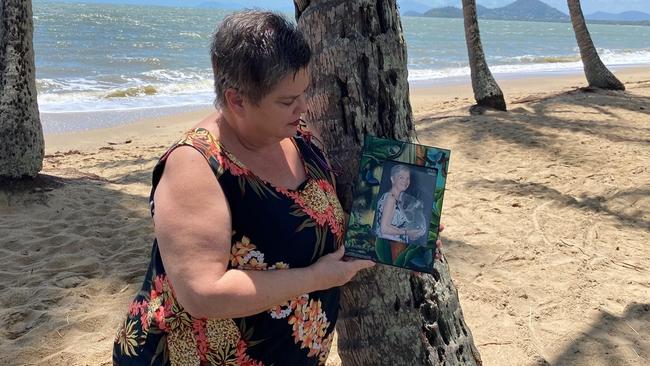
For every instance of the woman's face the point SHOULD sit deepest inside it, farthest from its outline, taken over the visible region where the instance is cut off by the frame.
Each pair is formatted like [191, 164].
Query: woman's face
[278, 113]
[401, 180]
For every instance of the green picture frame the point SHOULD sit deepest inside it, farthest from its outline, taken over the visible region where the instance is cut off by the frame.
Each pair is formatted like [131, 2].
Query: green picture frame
[397, 204]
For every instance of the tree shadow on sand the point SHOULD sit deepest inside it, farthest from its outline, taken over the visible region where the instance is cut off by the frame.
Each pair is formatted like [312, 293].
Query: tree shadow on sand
[536, 130]
[602, 102]
[141, 165]
[559, 130]
[595, 204]
[40, 183]
[611, 340]
[74, 250]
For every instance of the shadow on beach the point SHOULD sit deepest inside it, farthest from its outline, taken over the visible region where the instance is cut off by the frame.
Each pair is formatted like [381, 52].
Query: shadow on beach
[552, 205]
[616, 339]
[75, 247]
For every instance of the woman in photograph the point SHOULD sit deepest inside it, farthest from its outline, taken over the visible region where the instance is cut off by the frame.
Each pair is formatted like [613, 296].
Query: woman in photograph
[392, 221]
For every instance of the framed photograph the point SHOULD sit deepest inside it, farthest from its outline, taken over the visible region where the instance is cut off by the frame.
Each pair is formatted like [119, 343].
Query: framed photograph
[397, 204]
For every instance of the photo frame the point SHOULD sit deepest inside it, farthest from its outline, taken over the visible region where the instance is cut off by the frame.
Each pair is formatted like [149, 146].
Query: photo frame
[397, 203]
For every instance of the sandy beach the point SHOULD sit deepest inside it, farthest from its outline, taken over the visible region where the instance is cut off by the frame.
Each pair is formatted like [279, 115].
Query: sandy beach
[547, 214]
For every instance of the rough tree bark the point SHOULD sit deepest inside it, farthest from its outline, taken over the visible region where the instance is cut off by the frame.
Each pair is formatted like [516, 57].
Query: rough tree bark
[359, 86]
[21, 134]
[596, 72]
[486, 90]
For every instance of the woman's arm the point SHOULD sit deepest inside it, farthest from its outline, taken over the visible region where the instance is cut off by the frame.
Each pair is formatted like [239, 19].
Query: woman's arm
[387, 228]
[193, 229]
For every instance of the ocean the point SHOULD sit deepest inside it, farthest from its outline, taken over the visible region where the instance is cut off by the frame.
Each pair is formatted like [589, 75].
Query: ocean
[98, 65]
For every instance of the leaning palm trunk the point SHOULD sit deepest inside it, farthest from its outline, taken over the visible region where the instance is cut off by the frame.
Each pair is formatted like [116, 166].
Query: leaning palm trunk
[596, 72]
[486, 90]
[21, 134]
[359, 86]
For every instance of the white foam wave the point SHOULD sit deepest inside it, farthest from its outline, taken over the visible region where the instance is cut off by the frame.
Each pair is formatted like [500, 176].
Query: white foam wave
[151, 61]
[88, 102]
[157, 87]
[164, 75]
[191, 35]
[528, 64]
[107, 83]
[613, 57]
[625, 57]
[71, 85]
[432, 74]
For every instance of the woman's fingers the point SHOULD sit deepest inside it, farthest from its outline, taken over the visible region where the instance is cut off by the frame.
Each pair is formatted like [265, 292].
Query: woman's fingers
[359, 263]
[338, 254]
[363, 263]
[438, 246]
[335, 269]
[439, 242]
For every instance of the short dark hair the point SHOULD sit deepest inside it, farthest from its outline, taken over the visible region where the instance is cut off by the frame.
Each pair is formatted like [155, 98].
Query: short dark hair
[252, 51]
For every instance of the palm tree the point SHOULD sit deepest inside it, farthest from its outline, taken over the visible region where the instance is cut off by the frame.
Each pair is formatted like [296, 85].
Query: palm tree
[486, 90]
[21, 134]
[359, 85]
[596, 72]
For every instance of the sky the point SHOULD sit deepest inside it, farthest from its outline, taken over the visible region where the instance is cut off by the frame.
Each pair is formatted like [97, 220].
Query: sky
[588, 6]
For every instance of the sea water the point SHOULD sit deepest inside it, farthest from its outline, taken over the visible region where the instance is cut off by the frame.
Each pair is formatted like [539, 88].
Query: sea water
[99, 65]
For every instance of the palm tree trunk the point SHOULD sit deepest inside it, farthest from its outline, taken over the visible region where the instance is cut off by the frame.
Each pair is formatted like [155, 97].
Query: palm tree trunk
[486, 90]
[21, 134]
[359, 86]
[596, 72]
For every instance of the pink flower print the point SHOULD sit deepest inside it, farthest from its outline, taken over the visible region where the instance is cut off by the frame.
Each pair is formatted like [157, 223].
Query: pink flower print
[201, 338]
[242, 358]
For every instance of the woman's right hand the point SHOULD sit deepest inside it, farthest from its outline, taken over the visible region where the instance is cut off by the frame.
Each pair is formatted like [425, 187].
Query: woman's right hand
[333, 270]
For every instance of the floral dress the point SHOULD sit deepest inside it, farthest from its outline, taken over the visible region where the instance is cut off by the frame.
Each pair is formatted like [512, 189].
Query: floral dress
[273, 229]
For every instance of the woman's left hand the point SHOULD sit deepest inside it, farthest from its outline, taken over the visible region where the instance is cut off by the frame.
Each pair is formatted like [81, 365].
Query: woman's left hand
[439, 242]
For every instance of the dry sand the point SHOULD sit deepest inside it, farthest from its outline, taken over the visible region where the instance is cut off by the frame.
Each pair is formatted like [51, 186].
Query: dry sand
[547, 214]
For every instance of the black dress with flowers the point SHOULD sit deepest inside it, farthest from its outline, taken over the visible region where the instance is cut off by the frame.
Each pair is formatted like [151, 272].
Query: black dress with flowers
[273, 229]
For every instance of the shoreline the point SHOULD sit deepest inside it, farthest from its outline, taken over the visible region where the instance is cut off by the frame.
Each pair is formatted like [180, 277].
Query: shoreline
[503, 76]
[421, 97]
[55, 123]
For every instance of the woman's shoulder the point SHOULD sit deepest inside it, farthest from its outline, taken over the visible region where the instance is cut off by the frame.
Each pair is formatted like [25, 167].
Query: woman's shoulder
[202, 137]
[188, 152]
[386, 198]
[198, 139]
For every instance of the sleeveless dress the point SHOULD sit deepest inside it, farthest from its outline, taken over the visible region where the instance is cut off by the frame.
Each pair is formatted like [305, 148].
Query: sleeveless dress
[273, 229]
[398, 220]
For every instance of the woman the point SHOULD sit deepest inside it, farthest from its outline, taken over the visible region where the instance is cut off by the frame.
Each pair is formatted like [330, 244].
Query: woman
[392, 222]
[245, 267]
